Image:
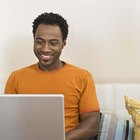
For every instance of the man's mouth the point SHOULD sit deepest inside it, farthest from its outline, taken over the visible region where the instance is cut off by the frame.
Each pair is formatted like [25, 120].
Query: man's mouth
[46, 57]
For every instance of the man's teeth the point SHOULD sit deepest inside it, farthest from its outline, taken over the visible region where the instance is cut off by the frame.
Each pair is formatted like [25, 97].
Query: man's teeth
[46, 57]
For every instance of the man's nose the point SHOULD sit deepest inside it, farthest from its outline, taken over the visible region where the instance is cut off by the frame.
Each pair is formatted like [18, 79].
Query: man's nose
[46, 47]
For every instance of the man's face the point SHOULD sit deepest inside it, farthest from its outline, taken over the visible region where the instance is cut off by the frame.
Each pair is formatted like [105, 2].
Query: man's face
[48, 45]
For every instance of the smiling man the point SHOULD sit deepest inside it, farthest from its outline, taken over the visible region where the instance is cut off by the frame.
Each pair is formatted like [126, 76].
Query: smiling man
[51, 75]
[48, 45]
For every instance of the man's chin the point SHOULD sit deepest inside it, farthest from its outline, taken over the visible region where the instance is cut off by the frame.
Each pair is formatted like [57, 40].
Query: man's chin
[45, 63]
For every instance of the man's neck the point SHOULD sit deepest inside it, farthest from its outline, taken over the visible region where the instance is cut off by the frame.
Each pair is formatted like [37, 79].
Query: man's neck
[52, 67]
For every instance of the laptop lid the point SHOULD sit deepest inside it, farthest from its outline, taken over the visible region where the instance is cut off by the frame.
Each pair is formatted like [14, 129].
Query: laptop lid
[32, 117]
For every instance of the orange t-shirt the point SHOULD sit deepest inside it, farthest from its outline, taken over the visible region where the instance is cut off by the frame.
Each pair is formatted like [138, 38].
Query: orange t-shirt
[74, 83]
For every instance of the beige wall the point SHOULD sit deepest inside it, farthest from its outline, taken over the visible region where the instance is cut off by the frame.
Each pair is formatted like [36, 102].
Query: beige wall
[104, 36]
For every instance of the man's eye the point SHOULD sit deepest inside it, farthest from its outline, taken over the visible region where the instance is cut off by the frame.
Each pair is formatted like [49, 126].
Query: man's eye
[38, 42]
[53, 43]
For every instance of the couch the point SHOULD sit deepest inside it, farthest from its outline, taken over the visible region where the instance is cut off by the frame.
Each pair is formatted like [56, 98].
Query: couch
[116, 123]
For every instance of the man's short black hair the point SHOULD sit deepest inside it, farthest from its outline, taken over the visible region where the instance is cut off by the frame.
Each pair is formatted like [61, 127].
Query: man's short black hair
[51, 19]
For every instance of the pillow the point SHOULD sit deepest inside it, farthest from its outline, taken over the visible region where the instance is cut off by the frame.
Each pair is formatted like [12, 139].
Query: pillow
[133, 108]
[112, 128]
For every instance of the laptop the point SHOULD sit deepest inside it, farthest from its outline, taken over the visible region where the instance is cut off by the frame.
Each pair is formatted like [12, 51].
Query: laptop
[32, 117]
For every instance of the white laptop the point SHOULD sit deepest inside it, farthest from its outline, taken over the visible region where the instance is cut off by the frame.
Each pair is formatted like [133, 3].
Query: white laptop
[32, 117]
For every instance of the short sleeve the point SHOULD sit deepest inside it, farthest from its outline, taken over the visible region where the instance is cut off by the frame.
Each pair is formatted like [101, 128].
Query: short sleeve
[89, 101]
[10, 85]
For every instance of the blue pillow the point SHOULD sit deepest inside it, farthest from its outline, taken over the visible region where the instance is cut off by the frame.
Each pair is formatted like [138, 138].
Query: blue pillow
[112, 128]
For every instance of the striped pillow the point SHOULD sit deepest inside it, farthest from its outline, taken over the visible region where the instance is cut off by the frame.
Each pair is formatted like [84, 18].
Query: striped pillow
[112, 128]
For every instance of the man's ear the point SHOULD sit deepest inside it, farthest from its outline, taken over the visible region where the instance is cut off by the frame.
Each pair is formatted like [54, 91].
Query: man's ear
[64, 43]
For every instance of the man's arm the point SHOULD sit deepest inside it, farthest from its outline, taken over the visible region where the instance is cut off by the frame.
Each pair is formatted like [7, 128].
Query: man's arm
[10, 85]
[88, 127]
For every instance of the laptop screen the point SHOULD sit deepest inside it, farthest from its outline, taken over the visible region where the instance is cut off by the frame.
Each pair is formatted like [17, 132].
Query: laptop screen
[32, 117]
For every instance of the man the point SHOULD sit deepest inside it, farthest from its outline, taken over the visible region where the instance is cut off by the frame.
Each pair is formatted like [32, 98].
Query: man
[51, 75]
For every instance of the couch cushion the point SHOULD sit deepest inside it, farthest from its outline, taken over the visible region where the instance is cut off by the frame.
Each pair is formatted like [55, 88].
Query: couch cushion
[112, 128]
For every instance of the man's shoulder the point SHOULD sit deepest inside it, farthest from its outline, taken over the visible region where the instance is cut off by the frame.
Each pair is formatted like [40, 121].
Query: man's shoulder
[77, 69]
[25, 69]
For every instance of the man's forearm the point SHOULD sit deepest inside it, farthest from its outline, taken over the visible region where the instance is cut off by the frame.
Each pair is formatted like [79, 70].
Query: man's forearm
[86, 129]
[79, 134]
